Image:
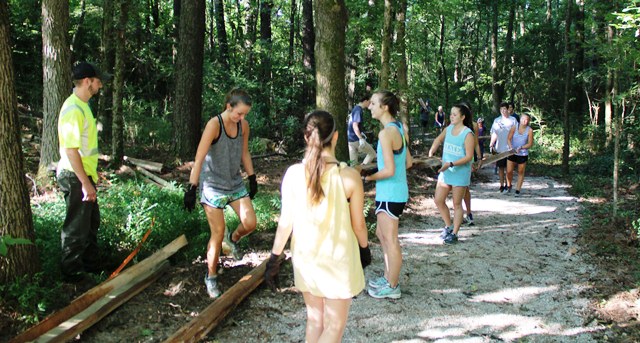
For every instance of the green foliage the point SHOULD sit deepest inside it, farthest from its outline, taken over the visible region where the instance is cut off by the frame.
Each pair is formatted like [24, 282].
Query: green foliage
[7, 240]
[32, 296]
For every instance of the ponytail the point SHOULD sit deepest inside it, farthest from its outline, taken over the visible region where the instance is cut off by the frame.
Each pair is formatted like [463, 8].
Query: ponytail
[319, 127]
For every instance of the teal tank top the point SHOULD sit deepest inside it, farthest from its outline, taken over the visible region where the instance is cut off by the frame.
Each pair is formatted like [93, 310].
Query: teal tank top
[395, 188]
[453, 150]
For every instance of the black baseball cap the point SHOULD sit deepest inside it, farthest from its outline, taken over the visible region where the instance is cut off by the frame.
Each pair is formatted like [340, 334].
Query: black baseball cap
[85, 69]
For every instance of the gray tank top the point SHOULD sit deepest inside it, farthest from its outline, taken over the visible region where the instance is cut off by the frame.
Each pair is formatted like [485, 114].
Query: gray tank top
[221, 167]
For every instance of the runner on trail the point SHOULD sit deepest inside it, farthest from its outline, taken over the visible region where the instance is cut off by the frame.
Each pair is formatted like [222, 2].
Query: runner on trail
[455, 173]
[392, 191]
[499, 132]
[521, 139]
[355, 136]
[216, 170]
[322, 210]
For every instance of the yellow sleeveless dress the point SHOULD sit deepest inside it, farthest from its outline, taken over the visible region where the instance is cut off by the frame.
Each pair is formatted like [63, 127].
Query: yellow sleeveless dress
[326, 259]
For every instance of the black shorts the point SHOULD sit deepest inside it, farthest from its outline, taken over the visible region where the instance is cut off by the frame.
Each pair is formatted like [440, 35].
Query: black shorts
[392, 209]
[502, 163]
[518, 159]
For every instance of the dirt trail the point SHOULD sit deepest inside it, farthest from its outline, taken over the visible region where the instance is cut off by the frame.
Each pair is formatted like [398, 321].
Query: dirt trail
[516, 275]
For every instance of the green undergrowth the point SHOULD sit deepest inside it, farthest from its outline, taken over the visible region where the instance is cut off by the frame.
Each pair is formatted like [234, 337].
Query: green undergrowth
[128, 208]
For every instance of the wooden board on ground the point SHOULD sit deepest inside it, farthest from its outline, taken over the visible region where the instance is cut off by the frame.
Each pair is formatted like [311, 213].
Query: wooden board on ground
[153, 177]
[497, 157]
[149, 165]
[208, 319]
[91, 296]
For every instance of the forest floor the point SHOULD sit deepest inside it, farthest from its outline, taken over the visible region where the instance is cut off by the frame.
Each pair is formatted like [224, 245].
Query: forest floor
[524, 272]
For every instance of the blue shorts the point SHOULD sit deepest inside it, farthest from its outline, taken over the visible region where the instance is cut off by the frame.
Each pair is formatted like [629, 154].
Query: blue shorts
[217, 200]
[392, 209]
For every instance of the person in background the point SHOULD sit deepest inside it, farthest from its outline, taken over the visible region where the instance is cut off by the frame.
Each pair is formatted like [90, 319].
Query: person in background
[455, 174]
[439, 120]
[216, 171]
[521, 139]
[392, 191]
[355, 136]
[482, 131]
[499, 133]
[425, 112]
[512, 112]
[77, 175]
[322, 211]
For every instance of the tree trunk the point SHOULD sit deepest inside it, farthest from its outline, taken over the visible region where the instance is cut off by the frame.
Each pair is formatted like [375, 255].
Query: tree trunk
[221, 32]
[107, 51]
[616, 159]
[155, 12]
[331, 23]
[292, 31]
[507, 63]
[496, 95]
[56, 77]
[385, 54]
[251, 20]
[117, 144]
[608, 104]
[308, 56]
[549, 13]
[403, 83]
[212, 30]
[78, 31]
[567, 89]
[444, 79]
[266, 7]
[188, 99]
[15, 210]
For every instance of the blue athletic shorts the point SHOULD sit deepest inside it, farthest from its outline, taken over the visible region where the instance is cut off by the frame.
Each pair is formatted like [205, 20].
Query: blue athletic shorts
[217, 200]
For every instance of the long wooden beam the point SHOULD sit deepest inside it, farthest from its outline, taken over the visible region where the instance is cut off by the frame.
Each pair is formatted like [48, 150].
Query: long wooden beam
[85, 300]
[493, 158]
[210, 317]
[150, 165]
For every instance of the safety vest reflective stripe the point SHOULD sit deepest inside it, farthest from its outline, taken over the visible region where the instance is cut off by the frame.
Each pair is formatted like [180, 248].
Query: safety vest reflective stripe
[84, 137]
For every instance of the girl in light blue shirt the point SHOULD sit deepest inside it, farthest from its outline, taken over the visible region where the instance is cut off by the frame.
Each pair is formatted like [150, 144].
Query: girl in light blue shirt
[455, 174]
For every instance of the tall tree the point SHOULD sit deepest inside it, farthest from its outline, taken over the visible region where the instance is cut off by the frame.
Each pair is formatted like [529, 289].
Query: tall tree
[385, 55]
[331, 23]
[567, 88]
[308, 56]
[221, 31]
[15, 210]
[444, 78]
[403, 82]
[117, 144]
[78, 31]
[187, 110]
[266, 7]
[56, 77]
[495, 73]
[108, 55]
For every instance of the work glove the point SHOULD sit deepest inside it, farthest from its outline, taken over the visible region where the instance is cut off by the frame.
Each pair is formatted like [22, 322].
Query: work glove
[253, 186]
[271, 272]
[365, 256]
[362, 141]
[190, 198]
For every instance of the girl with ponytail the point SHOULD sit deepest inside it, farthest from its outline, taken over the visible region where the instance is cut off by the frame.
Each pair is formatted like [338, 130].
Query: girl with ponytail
[322, 210]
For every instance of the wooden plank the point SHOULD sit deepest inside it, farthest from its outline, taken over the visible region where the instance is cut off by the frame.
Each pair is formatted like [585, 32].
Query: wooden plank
[153, 176]
[493, 158]
[89, 297]
[103, 306]
[149, 165]
[210, 317]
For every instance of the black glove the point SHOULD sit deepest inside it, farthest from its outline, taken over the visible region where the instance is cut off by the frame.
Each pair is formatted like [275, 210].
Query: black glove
[190, 198]
[253, 186]
[271, 273]
[367, 172]
[365, 256]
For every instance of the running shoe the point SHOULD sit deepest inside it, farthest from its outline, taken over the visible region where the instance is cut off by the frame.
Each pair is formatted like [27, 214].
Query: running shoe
[517, 193]
[212, 286]
[468, 219]
[385, 291]
[445, 232]
[451, 238]
[378, 282]
[501, 189]
[236, 253]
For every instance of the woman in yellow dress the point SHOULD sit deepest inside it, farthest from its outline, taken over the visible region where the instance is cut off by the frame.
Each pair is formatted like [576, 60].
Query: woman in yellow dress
[322, 209]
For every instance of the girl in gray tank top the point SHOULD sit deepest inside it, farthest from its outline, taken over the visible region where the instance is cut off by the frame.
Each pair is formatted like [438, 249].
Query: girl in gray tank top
[216, 172]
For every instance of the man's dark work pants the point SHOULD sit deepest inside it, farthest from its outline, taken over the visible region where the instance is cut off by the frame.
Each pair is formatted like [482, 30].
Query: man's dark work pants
[80, 229]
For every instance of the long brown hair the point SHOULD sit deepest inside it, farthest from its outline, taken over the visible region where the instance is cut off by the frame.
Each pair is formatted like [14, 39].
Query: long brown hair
[318, 127]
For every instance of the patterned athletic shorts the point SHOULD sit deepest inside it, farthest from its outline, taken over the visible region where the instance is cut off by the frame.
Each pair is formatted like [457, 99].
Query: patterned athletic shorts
[216, 200]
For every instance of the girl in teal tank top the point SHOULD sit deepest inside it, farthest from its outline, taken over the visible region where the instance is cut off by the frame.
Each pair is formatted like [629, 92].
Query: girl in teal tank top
[392, 191]
[455, 174]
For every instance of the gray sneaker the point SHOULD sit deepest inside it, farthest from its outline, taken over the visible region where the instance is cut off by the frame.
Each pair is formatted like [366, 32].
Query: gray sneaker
[378, 282]
[445, 232]
[212, 286]
[468, 219]
[236, 253]
[452, 238]
[385, 291]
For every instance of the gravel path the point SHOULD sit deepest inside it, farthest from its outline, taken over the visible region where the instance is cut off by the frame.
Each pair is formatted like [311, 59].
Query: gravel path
[517, 275]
